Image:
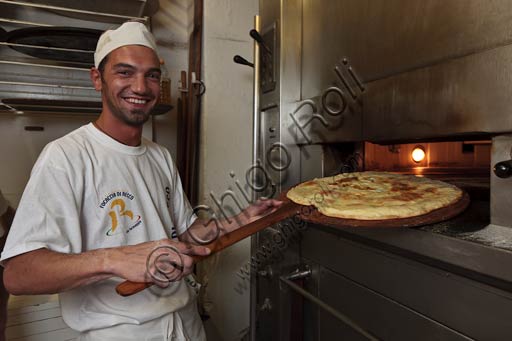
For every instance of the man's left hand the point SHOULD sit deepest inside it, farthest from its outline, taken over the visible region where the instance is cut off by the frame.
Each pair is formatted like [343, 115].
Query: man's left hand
[259, 209]
[212, 229]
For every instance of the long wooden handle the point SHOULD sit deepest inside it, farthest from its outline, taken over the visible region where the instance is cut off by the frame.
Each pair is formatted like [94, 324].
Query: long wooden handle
[287, 210]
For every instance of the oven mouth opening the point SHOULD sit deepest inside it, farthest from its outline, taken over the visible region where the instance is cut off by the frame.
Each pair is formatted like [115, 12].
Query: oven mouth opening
[466, 164]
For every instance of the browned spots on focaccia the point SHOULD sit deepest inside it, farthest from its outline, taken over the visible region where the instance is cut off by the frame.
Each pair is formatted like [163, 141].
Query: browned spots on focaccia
[362, 188]
[309, 184]
[407, 196]
[343, 180]
[400, 186]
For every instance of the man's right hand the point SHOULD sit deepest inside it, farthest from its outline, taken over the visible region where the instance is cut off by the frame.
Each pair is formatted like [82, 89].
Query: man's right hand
[159, 262]
[43, 271]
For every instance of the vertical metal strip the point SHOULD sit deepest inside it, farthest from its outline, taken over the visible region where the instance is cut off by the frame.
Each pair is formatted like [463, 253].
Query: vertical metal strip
[256, 106]
[255, 156]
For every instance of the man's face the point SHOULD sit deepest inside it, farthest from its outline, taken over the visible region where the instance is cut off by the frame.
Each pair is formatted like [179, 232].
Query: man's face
[130, 83]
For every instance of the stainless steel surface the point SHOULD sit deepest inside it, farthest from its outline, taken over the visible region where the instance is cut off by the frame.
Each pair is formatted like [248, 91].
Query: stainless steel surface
[51, 66]
[279, 152]
[23, 22]
[59, 86]
[387, 262]
[426, 67]
[328, 308]
[45, 47]
[319, 160]
[382, 38]
[331, 116]
[464, 96]
[31, 78]
[289, 81]
[312, 159]
[373, 70]
[501, 198]
[388, 71]
[386, 317]
[253, 179]
[269, 14]
[268, 57]
[26, 77]
[71, 10]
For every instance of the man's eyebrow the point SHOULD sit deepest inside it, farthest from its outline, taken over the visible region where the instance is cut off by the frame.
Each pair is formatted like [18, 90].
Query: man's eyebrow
[123, 65]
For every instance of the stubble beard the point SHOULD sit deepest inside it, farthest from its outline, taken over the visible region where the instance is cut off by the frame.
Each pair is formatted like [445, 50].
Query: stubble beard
[134, 118]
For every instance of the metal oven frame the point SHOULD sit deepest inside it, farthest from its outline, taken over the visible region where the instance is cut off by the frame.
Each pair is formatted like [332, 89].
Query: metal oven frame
[350, 71]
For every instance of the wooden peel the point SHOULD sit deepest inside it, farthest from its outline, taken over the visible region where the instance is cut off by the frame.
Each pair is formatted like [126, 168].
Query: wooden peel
[287, 210]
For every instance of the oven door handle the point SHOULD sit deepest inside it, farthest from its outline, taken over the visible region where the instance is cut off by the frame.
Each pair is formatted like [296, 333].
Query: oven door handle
[287, 279]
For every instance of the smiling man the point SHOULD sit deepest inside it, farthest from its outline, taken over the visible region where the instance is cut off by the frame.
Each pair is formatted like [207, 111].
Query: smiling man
[103, 204]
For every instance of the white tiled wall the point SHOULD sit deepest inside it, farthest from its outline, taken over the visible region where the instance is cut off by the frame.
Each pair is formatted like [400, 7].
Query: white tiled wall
[226, 149]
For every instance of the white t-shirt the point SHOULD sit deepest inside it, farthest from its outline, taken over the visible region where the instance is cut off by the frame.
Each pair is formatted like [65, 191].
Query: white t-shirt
[88, 191]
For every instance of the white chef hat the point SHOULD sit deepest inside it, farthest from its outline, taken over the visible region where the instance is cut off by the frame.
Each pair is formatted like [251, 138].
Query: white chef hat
[129, 33]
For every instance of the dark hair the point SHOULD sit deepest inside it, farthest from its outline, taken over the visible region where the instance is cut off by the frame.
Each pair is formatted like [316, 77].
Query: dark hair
[101, 67]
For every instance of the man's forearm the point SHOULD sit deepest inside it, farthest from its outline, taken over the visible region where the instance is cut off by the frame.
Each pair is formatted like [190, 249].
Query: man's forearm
[46, 272]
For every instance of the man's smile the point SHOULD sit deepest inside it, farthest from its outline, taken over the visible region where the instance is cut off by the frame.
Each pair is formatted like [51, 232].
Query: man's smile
[136, 100]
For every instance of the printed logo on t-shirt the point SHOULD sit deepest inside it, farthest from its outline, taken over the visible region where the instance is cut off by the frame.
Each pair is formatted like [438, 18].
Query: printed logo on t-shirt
[119, 213]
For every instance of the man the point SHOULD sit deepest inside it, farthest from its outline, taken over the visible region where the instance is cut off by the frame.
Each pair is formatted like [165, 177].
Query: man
[6, 217]
[101, 201]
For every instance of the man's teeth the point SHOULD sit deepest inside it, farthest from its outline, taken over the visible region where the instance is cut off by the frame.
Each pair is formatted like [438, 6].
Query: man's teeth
[136, 101]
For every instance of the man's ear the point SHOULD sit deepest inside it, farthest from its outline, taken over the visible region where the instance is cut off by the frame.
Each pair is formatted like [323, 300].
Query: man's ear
[96, 78]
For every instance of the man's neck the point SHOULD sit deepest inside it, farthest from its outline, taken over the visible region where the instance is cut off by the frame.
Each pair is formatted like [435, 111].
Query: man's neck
[119, 131]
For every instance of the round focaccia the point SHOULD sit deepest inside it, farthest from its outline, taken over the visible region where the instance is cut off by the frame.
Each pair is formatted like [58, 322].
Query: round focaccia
[375, 195]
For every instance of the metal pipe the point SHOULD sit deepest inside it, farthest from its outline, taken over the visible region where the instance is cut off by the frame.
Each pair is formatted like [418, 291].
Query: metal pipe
[73, 10]
[329, 309]
[14, 21]
[46, 47]
[49, 85]
[44, 65]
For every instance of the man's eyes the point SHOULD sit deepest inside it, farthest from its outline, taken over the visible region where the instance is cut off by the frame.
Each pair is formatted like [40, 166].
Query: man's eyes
[154, 75]
[127, 73]
[124, 72]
